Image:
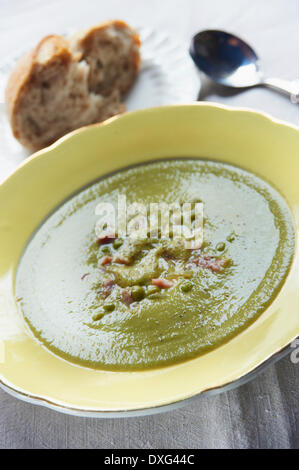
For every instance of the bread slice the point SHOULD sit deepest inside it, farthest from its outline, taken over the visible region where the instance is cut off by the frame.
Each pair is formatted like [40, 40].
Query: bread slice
[65, 84]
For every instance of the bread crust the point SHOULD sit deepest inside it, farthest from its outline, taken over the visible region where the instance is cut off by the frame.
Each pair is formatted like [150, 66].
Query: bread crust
[50, 50]
[81, 38]
[24, 72]
[81, 42]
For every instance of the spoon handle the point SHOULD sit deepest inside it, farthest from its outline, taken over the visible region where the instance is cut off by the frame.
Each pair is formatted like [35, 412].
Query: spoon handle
[288, 87]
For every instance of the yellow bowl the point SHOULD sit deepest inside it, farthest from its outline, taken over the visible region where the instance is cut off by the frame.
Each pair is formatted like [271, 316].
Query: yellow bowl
[250, 140]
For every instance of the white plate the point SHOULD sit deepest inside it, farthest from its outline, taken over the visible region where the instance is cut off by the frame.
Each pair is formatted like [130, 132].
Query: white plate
[167, 76]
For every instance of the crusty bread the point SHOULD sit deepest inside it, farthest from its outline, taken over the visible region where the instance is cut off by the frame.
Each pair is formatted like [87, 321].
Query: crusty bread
[65, 84]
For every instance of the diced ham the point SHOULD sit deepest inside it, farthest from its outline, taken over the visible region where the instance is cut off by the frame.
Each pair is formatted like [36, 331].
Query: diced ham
[162, 283]
[105, 260]
[127, 298]
[216, 265]
[108, 238]
[84, 275]
[121, 260]
[107, 287]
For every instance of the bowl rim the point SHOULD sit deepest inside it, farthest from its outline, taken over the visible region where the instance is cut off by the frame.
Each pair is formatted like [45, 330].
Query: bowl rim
[76, 411]
[202, 104]
[151, 410]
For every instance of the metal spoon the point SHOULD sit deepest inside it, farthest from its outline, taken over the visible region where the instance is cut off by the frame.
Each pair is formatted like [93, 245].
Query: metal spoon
[228, 60]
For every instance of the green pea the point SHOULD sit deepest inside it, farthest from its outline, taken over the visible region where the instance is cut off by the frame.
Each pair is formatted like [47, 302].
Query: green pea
[98, 316]
[109, 307]
[186, 286]
[117, 243]
[152, 290]
[106, 250]
[220, 246]
[231, 237]
[138, 293]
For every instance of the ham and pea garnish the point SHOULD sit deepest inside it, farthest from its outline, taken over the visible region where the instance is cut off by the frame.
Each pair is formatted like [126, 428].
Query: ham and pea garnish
[139, 269]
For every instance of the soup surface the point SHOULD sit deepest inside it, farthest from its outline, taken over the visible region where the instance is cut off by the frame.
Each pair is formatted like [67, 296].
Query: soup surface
[122, 304]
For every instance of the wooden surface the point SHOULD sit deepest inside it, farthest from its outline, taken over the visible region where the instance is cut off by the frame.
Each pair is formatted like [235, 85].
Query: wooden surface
[263, 413]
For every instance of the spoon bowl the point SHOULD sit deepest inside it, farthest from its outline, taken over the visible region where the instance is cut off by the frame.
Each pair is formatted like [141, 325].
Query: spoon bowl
[229, 61]
[225, 58]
